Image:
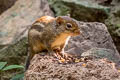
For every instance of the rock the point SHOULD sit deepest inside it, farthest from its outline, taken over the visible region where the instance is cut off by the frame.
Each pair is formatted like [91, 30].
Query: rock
[44, 68]
[15, 53]
[14, 24]
[83, 10]
[94, 35]
[100, 53]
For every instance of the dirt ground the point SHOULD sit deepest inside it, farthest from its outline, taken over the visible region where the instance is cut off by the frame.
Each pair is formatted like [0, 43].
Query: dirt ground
[48, 68]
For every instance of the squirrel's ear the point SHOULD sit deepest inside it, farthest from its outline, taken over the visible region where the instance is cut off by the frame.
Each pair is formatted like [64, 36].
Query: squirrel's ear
[59, 20]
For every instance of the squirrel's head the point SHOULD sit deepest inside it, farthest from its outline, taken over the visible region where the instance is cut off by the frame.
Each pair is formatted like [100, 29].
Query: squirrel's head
[69, 25]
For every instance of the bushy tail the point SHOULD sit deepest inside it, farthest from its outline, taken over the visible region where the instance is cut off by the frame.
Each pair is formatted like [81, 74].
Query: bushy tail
[27, 62]
[29, 57]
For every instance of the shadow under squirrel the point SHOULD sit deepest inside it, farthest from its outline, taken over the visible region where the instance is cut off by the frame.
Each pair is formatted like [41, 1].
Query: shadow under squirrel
[50, 34]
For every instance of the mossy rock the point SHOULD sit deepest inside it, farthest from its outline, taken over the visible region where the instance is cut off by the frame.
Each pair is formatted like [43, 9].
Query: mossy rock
[80, 9]
[14, 53]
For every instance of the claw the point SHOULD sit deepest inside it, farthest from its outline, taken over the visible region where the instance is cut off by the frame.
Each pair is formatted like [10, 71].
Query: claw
[57, 55]
[64, 55]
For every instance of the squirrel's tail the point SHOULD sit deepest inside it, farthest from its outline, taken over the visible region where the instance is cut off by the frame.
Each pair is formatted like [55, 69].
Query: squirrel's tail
[29, 57]
[27, 63]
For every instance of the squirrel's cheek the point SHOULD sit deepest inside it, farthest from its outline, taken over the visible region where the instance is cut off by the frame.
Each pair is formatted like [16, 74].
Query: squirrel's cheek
[75, 34]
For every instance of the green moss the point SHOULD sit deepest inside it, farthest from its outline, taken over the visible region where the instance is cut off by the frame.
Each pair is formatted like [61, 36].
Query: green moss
[118, 25]
[14, 53]
[59, 7]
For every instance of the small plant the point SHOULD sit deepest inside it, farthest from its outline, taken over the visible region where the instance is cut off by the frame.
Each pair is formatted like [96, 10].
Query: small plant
[3, 68]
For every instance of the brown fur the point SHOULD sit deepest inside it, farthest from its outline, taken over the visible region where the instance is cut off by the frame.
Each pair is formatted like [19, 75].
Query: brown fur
[60, 39]
[48, 33]
[45, 19]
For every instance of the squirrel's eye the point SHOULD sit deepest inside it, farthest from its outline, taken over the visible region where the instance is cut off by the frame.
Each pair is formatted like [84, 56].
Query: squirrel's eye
[69, 25]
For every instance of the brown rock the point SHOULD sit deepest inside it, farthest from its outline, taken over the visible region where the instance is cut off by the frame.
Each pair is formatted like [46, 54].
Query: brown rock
[44, 68]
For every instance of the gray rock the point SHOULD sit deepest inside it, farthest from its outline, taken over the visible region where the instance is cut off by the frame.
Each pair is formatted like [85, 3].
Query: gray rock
[101, 53]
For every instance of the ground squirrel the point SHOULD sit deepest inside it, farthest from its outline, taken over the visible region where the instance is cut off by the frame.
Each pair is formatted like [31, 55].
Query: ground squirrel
[50, 34]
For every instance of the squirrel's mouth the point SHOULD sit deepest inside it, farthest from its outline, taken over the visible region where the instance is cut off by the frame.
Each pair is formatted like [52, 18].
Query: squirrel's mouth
[76, 32]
